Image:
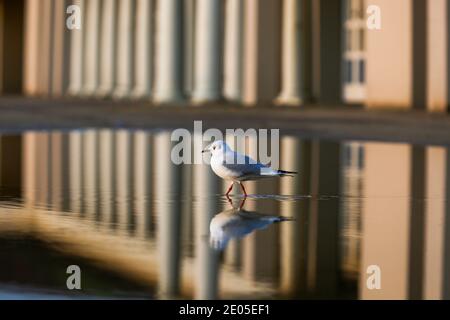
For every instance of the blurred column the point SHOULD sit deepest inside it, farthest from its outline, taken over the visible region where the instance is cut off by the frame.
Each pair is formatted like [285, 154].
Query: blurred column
[107, 176]
[167, 186]
[262, 51]
[207, 51]
[90, 167]
[436, 252]
[43, 169]
[124, 179]
[438, 55]
[169, 53]
[142, 181]
[11, 46]
[76, 53]
[10, 165]
[75, 170]
[188, 45]
[125, 43]
[291, 58]
[31, 47]
[232, 83]
[206, 206]
[45, 70]
[108, 32]
[295, 156]
[91, 30]
[143, 49]
[322, 260]
[61, 49]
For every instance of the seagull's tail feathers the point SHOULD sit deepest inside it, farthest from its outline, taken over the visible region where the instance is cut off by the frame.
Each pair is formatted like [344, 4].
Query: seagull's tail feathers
[283, 173]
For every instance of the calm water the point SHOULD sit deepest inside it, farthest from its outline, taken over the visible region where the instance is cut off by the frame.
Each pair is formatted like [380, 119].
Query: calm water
[139, 226]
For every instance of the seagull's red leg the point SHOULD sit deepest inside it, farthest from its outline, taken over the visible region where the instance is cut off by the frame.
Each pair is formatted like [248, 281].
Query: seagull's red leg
[229, 189]
[243, 189]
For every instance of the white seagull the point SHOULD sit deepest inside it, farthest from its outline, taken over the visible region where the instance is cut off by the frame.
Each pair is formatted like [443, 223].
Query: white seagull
[235, 167]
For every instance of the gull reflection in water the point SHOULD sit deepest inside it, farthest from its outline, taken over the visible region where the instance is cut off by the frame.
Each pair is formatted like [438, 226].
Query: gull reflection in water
[237, 223]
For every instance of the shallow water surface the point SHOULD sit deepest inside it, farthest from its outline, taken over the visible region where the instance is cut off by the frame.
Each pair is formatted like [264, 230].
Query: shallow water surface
[139, 226]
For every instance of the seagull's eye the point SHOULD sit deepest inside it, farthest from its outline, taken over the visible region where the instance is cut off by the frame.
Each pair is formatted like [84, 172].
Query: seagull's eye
[214, 148]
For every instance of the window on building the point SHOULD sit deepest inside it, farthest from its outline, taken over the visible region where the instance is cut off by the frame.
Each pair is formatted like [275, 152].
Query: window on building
[354, 60]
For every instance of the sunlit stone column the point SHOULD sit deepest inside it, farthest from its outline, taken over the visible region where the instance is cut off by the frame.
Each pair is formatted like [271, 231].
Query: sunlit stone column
[143, 49]
[124, 179]
[76, 54]
[167, 184]
[142, 181]
[107, 177]
[75, 170]
[125, 43]
[91, 48]
[107, 67]
[291, 55]
[169, 55]
[207, 51]
[232, 83]
[206, 185]
[45, 47]
[189, 46]
[31, 47]
[295, 156]
[61, 49]
[90, 169]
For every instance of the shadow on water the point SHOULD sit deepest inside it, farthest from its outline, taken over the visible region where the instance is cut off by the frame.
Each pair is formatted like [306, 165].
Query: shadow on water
[113, 203]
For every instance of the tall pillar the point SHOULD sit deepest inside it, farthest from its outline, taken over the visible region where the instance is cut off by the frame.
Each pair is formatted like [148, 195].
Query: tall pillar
[31, 47]
[91, 47]
[107, 67]
[207, 51]
[76, 54]
[438, 56]
[46, 8]
[189, 46]
[125, 43]
[232, 82]
[261, 52]
[61, 49]
[143, 49]
[291, 55]
[168, 55]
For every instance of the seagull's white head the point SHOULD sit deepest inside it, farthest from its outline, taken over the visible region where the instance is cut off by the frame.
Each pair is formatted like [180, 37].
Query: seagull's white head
[217, 147]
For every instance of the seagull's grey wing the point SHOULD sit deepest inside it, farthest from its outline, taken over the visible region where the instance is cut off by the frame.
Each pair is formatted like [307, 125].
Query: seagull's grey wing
[243, 165]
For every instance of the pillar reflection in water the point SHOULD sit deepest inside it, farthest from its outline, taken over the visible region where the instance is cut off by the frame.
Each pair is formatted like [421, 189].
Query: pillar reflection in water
[75, 170]
[107, 176]
[125, 217]
[260, 252]
[167, 184]
[295, 156]
[323, 221]
[206, 186]
[142, 182]
[90, 168]
[29, 169]
[59, 171]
